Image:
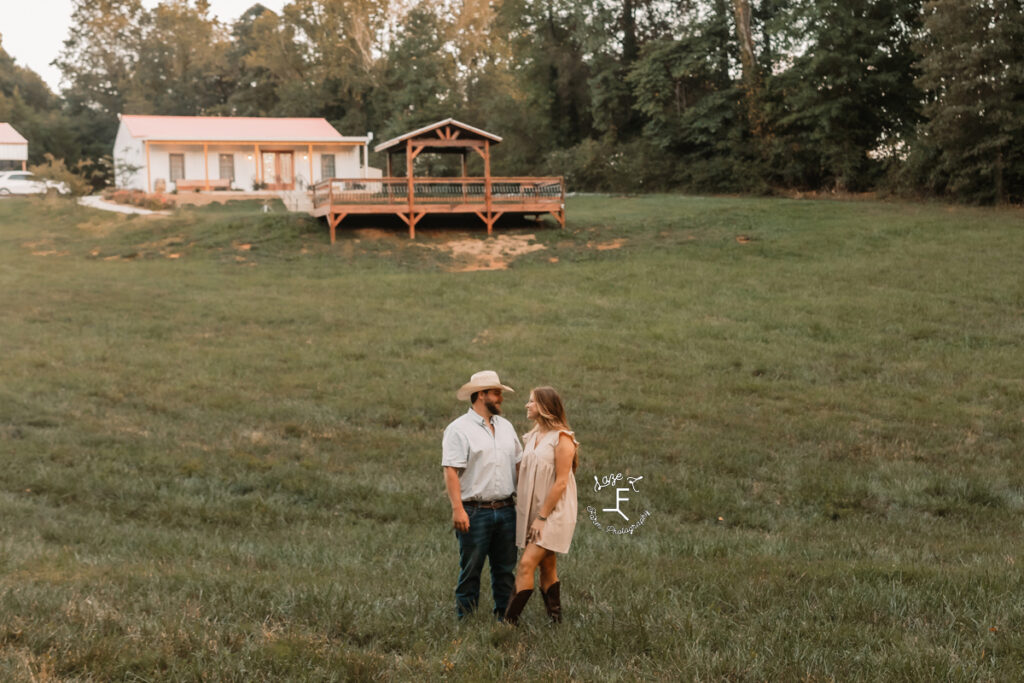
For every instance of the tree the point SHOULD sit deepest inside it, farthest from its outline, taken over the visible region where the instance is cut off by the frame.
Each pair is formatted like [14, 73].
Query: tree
[972, 144]
[255, 92]
[852, 91]
[182, 66]
[337, 41]
[27, 103]
[419, 85]
[101, 51]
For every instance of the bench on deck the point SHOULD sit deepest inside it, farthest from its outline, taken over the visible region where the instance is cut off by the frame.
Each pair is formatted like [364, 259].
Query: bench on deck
[196, 185]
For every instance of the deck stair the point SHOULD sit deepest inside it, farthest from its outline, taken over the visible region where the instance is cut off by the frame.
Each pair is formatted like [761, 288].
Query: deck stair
[297, 200]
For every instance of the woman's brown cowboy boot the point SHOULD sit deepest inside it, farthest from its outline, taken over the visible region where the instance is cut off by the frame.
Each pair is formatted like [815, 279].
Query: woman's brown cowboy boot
[553, 602]
[516, 605]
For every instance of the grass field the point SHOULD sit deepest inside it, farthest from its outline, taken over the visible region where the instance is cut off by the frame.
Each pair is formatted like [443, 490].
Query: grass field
[221, 461]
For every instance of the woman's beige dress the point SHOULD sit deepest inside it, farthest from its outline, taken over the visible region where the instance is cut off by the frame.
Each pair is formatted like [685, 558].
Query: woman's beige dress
[536, 476]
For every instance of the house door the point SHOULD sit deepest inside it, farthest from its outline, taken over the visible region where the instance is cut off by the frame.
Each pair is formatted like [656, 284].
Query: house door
[279, 170]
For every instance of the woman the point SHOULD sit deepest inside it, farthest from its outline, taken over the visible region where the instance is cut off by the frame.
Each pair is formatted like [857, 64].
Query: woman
[545, 501]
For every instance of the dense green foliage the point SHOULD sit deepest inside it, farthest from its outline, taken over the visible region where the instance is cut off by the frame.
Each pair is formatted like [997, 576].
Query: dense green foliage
[626, 95]
[225, 466]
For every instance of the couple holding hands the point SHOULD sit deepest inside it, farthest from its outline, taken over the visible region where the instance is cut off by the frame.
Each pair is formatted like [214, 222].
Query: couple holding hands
[503, 496]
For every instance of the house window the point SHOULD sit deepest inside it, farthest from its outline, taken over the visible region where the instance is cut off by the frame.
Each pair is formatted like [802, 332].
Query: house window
[326, 166]
[177, 166]
[227, 166]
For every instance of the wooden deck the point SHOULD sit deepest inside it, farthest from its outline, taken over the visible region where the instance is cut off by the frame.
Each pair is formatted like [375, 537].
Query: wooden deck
[413, 198]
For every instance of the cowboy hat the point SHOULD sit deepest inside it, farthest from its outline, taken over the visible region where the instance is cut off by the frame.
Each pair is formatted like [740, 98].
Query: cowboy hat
[485, 379]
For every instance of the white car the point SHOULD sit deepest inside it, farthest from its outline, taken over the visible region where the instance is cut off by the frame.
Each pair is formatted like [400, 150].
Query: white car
[23, 182]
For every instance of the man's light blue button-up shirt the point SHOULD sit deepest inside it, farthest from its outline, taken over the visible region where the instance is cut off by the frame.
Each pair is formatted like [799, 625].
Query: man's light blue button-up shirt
[486, 461]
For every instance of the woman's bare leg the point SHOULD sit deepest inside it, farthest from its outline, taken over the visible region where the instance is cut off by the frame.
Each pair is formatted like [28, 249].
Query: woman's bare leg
[532, 556]
[548, 570]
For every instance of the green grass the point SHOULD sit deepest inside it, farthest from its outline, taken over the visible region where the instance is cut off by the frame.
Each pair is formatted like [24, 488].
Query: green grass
[226, 465]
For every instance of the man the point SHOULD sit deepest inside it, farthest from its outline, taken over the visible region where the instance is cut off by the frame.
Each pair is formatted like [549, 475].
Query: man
[480, 456]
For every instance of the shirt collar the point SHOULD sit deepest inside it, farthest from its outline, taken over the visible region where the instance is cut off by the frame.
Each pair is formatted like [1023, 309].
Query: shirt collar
[479, 420]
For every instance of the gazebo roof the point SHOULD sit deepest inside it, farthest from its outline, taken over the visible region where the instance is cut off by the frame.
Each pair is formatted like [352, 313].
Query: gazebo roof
[446, 135]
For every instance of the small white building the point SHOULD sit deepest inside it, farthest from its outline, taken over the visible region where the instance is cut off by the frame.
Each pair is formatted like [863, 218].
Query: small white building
[230, 152]
[13, 149]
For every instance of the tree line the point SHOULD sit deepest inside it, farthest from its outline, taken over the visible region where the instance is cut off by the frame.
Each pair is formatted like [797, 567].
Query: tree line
[920, 97]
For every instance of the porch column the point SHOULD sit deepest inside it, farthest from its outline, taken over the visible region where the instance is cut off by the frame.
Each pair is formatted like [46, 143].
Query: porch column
[149, 183]
[310, 148]
[259, 165]
[206, 166]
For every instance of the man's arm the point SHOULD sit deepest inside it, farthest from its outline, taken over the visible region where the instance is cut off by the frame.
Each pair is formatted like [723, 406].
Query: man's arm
[460, 520]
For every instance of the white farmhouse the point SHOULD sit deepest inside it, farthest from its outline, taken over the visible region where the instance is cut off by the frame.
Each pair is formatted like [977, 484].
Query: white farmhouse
[229, 152]
[13, 149]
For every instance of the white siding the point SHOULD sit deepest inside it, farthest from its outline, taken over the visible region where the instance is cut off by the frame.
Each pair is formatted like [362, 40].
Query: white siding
[14, 151]
[129, 151]
[197, 169]
[347, 162]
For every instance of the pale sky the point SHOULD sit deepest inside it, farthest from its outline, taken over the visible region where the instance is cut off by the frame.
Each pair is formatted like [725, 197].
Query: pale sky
[33, 32]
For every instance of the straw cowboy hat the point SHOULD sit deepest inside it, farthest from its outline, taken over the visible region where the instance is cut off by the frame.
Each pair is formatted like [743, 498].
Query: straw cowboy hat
[485, 379]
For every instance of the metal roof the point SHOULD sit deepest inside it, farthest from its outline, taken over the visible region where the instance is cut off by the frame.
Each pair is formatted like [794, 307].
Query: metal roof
[9, 136]
[234, 129]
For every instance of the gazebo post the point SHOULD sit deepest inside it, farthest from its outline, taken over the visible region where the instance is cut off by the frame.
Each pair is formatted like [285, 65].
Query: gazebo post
[487, 184]
[408, 172]
[464, 172]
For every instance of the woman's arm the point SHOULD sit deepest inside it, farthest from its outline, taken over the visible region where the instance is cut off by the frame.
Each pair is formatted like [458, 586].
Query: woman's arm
[564, 452]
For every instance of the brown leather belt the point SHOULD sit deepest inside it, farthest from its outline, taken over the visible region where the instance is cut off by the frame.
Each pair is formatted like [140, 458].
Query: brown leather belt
[491, 504]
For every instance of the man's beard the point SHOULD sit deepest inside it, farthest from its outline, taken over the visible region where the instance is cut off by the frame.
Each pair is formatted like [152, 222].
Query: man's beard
[492, 407]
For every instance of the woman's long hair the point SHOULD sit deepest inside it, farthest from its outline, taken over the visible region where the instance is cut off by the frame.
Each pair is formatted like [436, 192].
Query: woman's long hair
[551, 416]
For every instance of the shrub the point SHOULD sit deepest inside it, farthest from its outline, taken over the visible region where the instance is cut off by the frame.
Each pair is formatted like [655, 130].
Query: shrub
[158, 202]
[56, 169]
[155, 202]
[598, 166]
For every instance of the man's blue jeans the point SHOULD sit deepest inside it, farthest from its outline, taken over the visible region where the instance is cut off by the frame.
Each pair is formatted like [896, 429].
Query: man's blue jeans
[491, 536]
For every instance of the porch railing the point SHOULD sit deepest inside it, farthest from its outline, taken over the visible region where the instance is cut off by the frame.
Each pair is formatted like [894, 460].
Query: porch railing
[504, 192]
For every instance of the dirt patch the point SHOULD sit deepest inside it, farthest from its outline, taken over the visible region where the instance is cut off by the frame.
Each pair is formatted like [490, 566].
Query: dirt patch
[605, 246]
[376, 234]
[174, 240]
[493, 253]
[44, 247]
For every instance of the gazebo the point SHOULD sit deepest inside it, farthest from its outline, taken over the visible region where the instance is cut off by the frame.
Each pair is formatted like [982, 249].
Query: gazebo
[411, 197]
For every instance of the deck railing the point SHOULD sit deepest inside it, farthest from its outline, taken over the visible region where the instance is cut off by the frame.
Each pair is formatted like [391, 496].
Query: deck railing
[388, 191]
